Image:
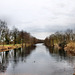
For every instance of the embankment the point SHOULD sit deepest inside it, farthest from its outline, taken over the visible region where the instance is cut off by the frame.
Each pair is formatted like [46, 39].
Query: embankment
[69, 47]
[9, 47]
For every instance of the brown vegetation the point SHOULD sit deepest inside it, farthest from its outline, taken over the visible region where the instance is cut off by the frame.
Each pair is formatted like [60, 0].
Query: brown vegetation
[9, 47]
[64, 40]
[70, 48]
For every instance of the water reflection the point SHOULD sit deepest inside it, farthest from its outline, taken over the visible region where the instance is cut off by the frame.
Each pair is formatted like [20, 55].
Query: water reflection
[4, 61]
[61, 52]
[36, 60]
[15, 55]
[63, 56]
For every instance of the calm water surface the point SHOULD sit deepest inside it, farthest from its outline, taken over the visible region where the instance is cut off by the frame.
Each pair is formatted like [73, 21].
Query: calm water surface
[37, 60]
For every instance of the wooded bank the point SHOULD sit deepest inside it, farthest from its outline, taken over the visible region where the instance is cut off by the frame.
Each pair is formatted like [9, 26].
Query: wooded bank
[64, 40]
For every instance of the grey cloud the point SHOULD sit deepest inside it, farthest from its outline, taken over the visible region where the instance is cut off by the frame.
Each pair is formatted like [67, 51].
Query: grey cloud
[38, 15]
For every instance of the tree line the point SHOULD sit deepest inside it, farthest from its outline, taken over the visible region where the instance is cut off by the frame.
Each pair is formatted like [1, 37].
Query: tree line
[60, 37]
[14, 36]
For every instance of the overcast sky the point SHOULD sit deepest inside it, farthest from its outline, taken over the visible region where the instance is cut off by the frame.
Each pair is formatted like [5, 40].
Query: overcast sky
[39, 15]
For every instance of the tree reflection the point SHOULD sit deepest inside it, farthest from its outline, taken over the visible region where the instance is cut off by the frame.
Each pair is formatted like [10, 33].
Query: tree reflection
[4, 61]
[15, 55]
[58, 53]
[61, 55]
[53, 50]
[62, 52]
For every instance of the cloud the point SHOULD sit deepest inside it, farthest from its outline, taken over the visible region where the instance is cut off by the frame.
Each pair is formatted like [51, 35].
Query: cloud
[38, 15]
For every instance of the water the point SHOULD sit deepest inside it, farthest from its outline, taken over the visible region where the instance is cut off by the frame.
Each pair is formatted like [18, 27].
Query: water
[37, 60]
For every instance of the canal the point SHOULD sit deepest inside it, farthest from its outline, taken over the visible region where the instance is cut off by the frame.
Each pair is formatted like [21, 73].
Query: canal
[36, 60]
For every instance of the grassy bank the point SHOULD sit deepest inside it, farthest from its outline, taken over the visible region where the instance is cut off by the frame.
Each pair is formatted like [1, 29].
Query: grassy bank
[11, 46]
[70, 48]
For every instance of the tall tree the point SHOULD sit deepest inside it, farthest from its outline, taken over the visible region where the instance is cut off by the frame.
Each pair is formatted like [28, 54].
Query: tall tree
[3, 31]
[15, 33]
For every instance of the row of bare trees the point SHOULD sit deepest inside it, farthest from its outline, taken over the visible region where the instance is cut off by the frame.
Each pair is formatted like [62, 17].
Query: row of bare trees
[60, 37]
[14, 36]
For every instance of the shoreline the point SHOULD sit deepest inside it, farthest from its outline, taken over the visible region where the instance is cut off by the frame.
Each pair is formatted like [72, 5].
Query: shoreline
[69, 48]
[9, 47]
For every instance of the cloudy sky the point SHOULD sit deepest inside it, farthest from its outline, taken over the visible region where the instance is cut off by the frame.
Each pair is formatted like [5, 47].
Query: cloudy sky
[40, 16]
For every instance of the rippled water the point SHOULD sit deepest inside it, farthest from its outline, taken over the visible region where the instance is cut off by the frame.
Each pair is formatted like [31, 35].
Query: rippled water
[37, 60]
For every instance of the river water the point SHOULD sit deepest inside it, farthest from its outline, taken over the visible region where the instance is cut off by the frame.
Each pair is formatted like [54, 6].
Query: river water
[38, 60]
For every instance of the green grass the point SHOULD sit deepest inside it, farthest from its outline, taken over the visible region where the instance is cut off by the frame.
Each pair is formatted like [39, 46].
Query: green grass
[16, 45]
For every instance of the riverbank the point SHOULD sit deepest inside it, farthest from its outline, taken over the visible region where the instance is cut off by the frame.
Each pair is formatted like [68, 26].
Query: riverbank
[70, 48]
[11, 46]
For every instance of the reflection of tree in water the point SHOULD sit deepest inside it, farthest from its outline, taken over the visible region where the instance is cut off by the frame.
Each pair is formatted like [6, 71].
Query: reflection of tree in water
[60, 55]
[52, 50]
[26, 52]
[15, 55]
[62, 52]
[57, 53]
[4, 62]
